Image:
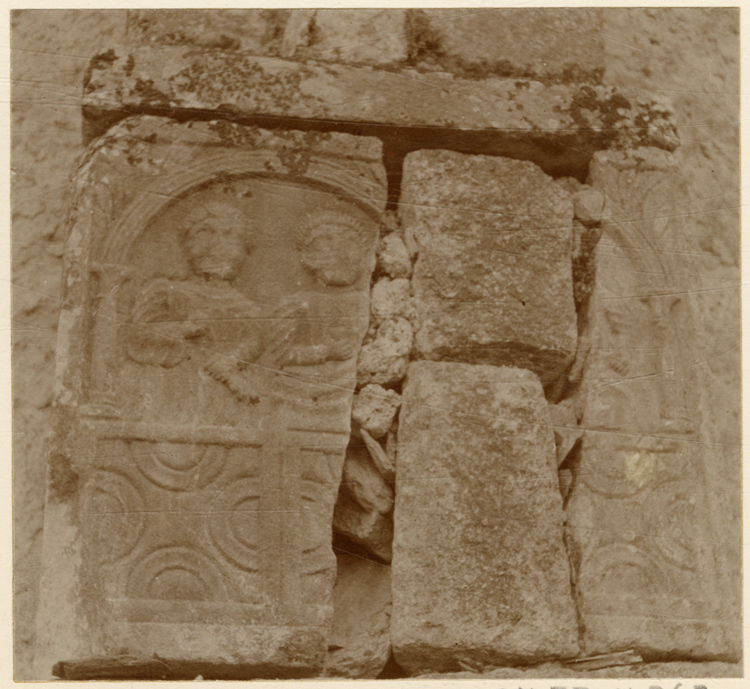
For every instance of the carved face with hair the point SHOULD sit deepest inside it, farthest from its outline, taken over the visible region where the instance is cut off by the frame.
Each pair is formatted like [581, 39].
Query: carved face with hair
[217, 241]
[331, 246]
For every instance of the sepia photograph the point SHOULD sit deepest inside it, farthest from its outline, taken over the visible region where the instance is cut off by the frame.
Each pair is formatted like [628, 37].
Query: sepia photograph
[376, 343]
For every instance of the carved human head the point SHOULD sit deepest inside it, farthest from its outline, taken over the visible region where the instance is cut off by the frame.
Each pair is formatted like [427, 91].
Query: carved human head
[217, 241]
[331, 246]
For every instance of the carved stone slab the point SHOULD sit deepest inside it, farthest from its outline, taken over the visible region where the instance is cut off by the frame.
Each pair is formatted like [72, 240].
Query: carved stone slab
[216, 296]
[558, 125]
[640, 515]
[493, 279]
[480, 573]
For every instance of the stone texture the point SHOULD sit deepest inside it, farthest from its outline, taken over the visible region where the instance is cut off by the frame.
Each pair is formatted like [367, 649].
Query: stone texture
[374, 409]
[683, 671]
[645, 518]
[391, 299]
[393, 256]
[206, 367]
[566, 428]
[360, 640]
[588, 206]
[385, 359]
[256, 31]
[545, 44]
[383, 461]
[370, 529]
[358, 36]
[556, 126]
[492, 282]
[364, 483]
[480, 572]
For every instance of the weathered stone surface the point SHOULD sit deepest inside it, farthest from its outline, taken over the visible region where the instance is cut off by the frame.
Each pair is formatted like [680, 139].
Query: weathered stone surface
[480, 573]
[546, 44]
[393, 256]
[566, 428]
[256, 31]
[206, 367]
[385, 359]
[360, 640]
[370, 529]
[359, 36]
[644, 517]
[391, 299]
[557, 126]
[588, 206]
[374, 409]
[383, 461]
[492, 282]
[364, 483]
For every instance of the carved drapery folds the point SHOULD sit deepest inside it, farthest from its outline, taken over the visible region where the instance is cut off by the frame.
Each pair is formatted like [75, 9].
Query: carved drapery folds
[217, 286]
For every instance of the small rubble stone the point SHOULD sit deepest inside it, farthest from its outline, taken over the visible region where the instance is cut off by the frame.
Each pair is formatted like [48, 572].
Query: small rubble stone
[588, 205]
[364, 482]
[374, 409]
[570, 184]
[391, 299]
[386, 358]
[393, 256]
[372, 530]
[380, 457]
[480, 572]
[360, 640]
[493, 281]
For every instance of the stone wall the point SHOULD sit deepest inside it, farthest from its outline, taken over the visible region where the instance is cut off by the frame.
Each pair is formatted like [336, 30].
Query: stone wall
[665, 52]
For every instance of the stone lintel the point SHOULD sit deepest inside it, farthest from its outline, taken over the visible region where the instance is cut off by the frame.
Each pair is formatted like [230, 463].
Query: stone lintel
[559, 126]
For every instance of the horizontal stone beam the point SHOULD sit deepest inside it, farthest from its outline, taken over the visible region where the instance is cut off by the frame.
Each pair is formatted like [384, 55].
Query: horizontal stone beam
[558, 126]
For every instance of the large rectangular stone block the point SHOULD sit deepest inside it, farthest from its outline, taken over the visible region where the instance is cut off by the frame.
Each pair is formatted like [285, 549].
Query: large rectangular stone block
[216, 295]
[646, 514]
[480, 573]
[493, 277]
[558, 126]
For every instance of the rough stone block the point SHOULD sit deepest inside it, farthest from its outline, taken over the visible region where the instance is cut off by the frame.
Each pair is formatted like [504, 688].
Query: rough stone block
[558, 126]
[385, 359]
[480, 573]
[391, 299]
[493, 280]
[393, 256]
[546, 44]
[368, 528]
[374, 409]
[358, 36]
[360, 640]
[215, 299]
[646, 513]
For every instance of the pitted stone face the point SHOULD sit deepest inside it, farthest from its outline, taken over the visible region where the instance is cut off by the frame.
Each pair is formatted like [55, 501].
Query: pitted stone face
[210, 387]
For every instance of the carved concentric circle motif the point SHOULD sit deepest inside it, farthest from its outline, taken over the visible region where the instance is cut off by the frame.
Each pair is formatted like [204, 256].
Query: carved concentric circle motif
[177, 573]
[618, 569]
[235, 523]
[674, 534]
[114, 514]
[178, 466]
